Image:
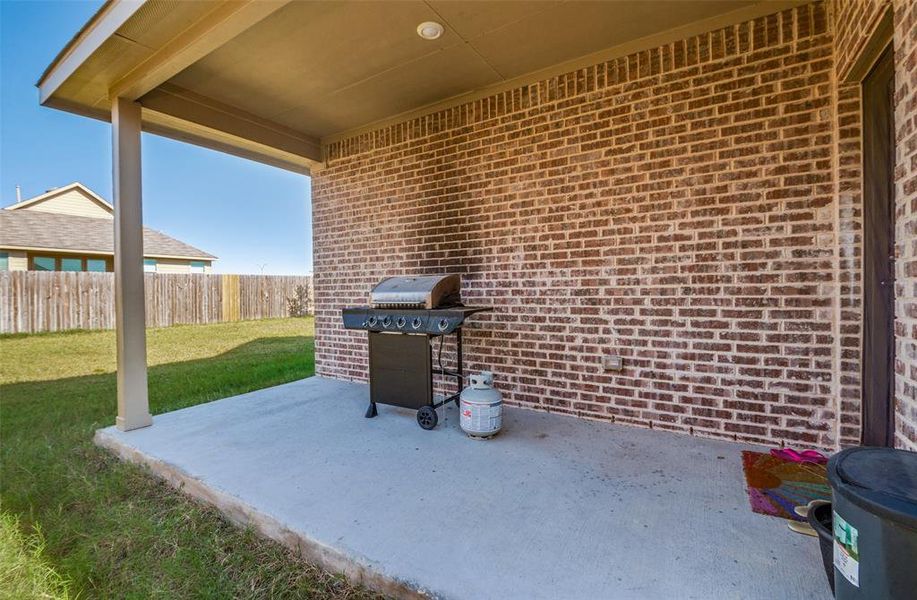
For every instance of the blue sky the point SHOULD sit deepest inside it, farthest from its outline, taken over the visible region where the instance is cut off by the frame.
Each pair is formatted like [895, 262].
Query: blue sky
[256, 218]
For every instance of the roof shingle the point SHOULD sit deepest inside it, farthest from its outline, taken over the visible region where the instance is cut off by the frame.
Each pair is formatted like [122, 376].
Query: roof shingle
[34, 229]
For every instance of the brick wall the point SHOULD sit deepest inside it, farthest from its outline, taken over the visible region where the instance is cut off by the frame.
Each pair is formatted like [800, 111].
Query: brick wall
[906, 222]
[676, 206]
[853, 23]
[849, 317]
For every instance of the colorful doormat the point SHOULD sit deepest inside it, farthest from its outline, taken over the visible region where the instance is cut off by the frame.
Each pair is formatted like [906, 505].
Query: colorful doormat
[776, 486]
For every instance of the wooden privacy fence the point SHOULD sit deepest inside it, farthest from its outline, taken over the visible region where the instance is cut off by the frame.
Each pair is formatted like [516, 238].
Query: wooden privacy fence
[35, 301]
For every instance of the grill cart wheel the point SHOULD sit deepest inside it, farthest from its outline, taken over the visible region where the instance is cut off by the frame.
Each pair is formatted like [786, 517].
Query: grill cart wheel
[426, 417]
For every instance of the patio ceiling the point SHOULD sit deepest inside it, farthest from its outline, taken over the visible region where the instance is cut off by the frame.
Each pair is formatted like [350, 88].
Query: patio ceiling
[273, 80]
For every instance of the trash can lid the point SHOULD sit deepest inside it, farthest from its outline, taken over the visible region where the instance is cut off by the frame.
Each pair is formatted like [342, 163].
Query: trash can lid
[880, 480]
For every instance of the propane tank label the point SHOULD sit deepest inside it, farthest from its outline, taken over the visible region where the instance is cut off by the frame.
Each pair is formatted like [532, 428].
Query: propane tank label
[846, 550]
[481, 419]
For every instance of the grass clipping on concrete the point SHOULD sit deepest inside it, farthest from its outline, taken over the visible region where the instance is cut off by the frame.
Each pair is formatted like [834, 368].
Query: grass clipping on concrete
[108, 527]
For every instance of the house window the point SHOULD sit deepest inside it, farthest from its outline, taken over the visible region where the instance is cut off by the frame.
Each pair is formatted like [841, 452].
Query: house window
[4, 261]
[71, 264]
[149, 265]
[96, 264]
[43, 263]
[197, 266]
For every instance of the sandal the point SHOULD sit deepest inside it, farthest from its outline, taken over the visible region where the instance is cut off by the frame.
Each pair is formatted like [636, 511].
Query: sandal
[788, 454]
[814, 456]
[803, 511]
[803, 528]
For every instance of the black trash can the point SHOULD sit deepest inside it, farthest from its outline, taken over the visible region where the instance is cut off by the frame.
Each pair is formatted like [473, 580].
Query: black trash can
[874, 493]
[819, 518]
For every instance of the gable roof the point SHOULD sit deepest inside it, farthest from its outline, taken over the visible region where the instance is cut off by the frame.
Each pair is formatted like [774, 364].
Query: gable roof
[33, 230]
[76, 185]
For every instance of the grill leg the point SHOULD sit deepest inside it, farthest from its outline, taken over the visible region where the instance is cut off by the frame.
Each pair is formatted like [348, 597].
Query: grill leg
[371, 411]
[458, 355]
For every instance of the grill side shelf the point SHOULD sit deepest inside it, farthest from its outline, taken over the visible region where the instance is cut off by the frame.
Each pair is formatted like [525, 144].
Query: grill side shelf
[354, 317]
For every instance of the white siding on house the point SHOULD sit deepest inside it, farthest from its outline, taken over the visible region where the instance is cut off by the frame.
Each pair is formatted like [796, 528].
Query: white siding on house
[70, 202]
[169, 265]
[18, 260]
[176, 265]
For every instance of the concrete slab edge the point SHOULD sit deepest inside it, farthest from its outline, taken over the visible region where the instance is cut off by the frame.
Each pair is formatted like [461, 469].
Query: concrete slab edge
[244, 515]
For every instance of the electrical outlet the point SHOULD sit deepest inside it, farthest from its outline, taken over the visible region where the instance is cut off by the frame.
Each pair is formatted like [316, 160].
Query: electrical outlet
[612, 362]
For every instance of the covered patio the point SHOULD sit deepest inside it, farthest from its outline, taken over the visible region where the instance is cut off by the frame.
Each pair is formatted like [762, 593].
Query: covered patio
[695, 223]
[687, 189]
[554, 507]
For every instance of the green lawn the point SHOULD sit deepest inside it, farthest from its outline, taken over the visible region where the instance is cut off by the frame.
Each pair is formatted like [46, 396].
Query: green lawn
[106, 527]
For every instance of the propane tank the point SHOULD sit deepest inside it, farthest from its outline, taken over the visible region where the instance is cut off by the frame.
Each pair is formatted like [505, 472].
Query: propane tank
[481, 407]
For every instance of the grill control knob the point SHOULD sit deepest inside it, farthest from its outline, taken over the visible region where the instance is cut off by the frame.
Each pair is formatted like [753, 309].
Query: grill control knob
[416, 323]
[372, 321]
[401, 322]
[386, 321]
[443, 324]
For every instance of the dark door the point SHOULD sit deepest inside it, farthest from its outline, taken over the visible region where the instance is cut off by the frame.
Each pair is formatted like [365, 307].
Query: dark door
[879, 253]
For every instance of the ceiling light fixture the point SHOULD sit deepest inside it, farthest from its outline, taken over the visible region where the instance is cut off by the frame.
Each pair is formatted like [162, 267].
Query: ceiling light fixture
[429, 30]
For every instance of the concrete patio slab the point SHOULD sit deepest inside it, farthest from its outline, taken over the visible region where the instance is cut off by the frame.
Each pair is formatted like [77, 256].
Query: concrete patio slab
[554, 507]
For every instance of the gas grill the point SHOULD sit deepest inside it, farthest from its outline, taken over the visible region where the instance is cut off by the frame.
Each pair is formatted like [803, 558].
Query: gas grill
[404, 317]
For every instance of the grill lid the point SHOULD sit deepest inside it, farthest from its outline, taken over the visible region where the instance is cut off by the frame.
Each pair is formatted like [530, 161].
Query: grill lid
[427, 291]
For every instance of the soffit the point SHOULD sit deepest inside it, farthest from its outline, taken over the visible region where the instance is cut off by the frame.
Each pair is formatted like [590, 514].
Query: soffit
[325, 67]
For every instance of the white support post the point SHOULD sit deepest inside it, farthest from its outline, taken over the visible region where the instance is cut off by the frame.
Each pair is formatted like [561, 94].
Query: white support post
[130, 320]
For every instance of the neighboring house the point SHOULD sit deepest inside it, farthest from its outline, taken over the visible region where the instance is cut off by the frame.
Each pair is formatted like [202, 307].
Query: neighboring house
[70, 229]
